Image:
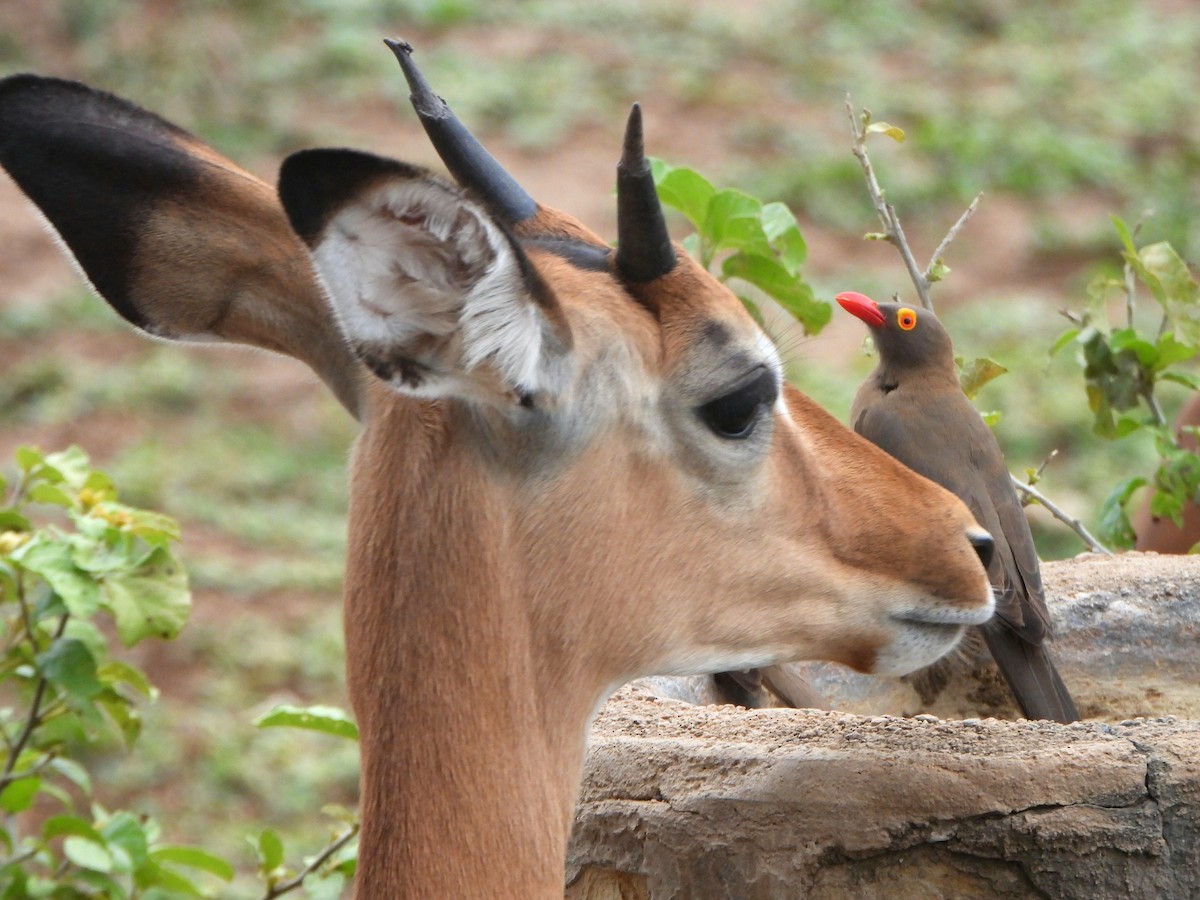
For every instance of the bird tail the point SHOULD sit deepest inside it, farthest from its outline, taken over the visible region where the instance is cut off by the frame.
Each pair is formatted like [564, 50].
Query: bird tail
[1031, 676]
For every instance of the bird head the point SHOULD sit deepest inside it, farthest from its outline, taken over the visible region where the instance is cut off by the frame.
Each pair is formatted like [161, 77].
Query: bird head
[905, 336]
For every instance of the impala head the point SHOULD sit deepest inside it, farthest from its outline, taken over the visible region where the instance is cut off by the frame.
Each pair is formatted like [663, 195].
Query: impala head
[577, 466]
[663, 484]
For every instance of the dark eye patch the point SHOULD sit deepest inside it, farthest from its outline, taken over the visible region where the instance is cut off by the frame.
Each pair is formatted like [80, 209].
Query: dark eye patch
[735, 415]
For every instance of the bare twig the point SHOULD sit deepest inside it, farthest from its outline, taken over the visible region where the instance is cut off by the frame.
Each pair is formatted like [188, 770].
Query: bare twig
[1130, 295]
[951, 235]
[286, 887]
[895, 236]
[893, 232]
[1071, 522]
[34, 719]
[1156, 410]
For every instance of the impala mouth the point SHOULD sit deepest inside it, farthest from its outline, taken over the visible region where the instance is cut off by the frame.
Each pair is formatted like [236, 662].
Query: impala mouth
[945, 615]
[925, 634]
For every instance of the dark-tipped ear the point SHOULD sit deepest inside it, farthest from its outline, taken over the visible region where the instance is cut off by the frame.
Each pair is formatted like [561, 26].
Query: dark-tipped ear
[432, 293]
[179, 240]
[94, 165]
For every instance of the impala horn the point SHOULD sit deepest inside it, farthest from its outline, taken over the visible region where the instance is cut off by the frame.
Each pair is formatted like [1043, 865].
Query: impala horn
[644, 249]
[470, 164]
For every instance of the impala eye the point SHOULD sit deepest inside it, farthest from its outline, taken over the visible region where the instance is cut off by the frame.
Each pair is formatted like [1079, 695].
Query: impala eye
[906, 318]
[735, 415]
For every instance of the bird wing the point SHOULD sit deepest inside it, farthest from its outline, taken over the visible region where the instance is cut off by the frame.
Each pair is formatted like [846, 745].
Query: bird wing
[941, 436]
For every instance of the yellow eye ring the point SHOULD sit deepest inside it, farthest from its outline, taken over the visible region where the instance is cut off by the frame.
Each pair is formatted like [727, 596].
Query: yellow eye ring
[906, 318]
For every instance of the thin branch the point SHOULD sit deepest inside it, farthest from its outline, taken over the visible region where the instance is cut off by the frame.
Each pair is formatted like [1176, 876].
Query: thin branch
[19, 858]
[1130, 295]
[1156, 410]
[887, 214]
[951, 235]
[285, 887]
[35, 710]
[1071, 522]
[895, 235]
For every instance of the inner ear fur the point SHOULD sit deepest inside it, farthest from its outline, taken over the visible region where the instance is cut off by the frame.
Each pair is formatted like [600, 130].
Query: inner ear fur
[433, 294]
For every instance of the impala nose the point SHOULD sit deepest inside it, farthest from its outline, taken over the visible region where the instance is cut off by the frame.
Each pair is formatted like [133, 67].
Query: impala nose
[984, 546]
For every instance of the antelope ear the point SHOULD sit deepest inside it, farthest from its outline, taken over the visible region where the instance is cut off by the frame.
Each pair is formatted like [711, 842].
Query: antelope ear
[434, 295]
[179, 240]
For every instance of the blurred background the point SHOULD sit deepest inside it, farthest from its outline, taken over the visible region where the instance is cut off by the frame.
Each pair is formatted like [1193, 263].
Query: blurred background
[1062, 113]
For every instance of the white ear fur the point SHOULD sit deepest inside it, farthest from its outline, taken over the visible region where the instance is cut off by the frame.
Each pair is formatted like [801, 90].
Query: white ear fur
[430, 294]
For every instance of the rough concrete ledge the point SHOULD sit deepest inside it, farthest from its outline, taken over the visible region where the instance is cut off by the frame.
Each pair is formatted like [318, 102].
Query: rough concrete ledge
[707, 803]
[714, 802]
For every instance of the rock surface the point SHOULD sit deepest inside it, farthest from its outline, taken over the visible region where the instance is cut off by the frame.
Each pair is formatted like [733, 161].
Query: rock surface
[718, 802]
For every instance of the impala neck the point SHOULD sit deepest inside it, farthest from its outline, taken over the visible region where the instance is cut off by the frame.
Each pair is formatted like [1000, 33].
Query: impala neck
[469, 767]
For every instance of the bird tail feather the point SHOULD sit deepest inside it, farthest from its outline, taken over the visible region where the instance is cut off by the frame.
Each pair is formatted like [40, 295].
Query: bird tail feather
[1031, 676]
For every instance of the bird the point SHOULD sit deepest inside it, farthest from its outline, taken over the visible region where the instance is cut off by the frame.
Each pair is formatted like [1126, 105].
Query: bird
[912, 406]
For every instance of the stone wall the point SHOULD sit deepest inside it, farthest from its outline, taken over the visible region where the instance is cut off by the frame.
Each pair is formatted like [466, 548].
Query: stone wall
[681, 801]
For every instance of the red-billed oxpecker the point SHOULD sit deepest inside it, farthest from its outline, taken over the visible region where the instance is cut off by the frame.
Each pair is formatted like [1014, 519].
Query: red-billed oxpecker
[913, 407]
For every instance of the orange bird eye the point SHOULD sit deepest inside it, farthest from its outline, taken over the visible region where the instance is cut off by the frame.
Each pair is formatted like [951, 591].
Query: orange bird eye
[906, 318]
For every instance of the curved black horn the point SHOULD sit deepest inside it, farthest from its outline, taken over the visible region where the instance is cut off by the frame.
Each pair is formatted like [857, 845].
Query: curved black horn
[470, 164]
[644, 249]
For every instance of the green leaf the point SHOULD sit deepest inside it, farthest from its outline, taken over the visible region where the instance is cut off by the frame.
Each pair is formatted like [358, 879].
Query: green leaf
[52, 559]
[895, 133]
[52, 495]
[326, 719]
[72, 464]
[1126, 425]
[1129, 339]
[153, 601]
[1171, 282]
[684, 189]
[122, 713]
[1187, 379]
[167, 884]
[1167, 505]
[116, 672]
[29, 458]
[1114, 525]
[733, 223]
[789, 291]
[126, 837]
[88, 854]
[1172, 351]
[938, 271]
[19, 795]
[783, 233]
[195, 858]
[1063, 340]
[73, 772]
[975, 374]
[69, 665]
[270, 851]
[1125, 235]
[58, 826]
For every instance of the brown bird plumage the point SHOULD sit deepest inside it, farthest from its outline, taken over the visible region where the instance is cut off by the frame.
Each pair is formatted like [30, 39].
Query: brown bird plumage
[913, 407]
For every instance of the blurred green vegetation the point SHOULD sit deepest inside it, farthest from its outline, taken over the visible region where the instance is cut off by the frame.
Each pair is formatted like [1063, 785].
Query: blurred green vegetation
[1039, 100]
[1079, 101]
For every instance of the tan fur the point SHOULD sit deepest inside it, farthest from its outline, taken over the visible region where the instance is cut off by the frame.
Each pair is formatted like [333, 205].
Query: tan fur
[487, 614]
[260, 292]
[503, 577]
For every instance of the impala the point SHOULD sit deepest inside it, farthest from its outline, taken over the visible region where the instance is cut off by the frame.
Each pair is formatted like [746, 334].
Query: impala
[576, 466]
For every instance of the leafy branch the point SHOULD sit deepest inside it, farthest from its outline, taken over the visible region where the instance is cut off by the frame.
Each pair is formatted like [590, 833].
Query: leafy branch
[280, 888]
[1123, 368]
[861, 127]
[62, 689]
[756, 243]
